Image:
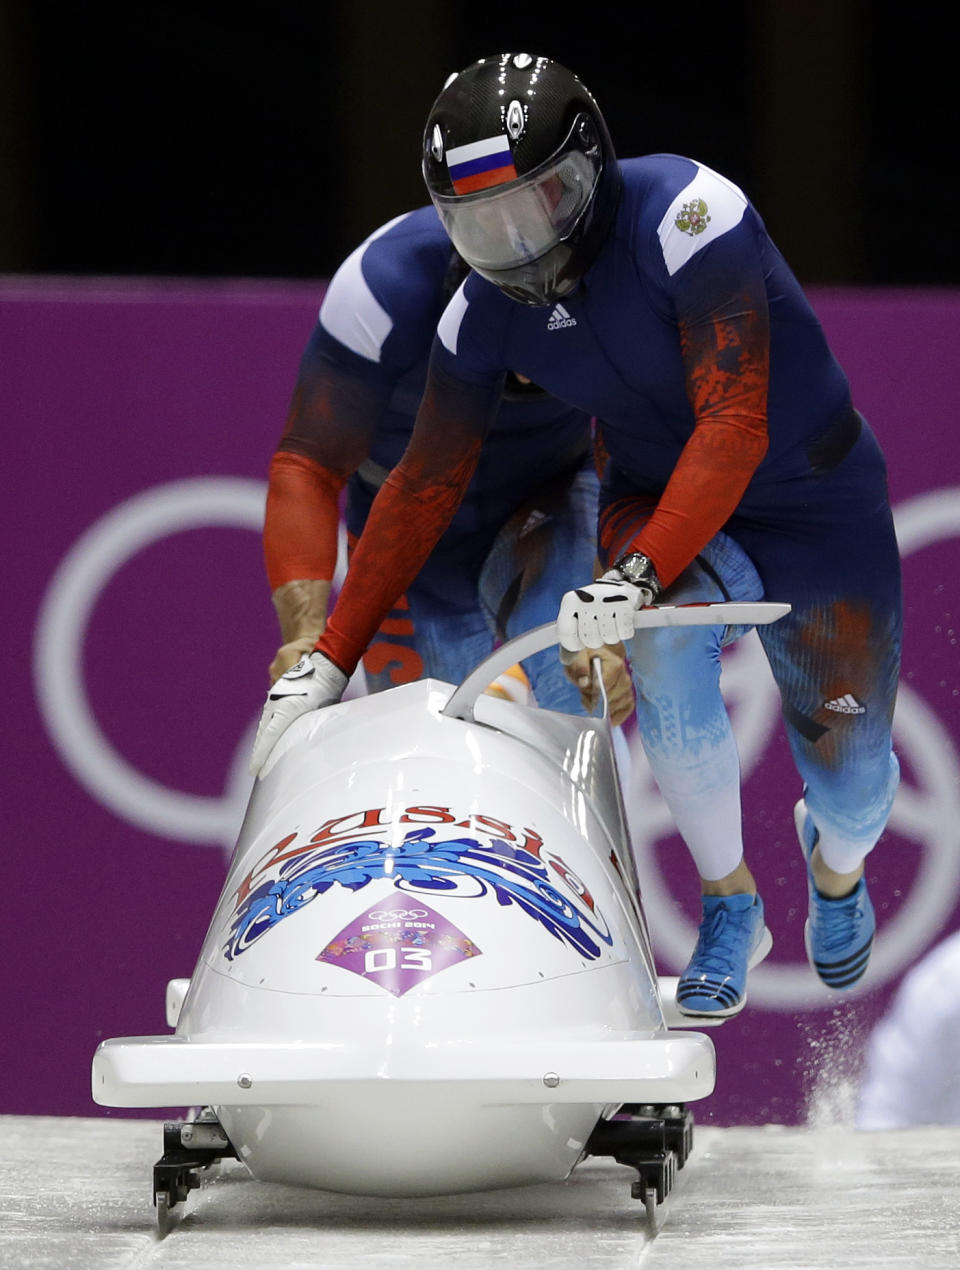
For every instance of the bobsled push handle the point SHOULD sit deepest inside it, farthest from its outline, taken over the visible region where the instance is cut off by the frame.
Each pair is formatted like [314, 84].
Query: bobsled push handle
[723, 613]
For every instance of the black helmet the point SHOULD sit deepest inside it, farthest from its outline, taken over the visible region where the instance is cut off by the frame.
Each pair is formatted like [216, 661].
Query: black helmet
[520, 166]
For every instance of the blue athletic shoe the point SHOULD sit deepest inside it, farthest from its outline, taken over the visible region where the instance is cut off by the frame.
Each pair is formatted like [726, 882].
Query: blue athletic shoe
[733, 939]
[839, 933]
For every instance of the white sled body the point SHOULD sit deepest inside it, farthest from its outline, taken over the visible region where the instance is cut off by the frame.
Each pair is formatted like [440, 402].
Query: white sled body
[428, 971]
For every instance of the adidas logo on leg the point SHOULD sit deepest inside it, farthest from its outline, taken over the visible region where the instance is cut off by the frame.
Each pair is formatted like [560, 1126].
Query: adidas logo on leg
[847, 704]
[560, 318]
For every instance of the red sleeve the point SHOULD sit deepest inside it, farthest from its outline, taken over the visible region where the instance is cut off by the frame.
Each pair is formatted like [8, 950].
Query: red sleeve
[412, 509]
[302, 519]
[726, 354]
[329, 431]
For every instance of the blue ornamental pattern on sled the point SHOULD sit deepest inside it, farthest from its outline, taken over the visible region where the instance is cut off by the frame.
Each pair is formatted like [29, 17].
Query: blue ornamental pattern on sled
[421, 865]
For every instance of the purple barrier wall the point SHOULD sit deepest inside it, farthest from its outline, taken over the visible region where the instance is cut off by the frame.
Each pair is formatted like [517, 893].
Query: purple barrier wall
[139, 421]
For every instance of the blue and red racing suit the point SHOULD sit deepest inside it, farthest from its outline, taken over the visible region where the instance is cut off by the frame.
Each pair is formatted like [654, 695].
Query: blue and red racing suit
[525, 528]
[724, 413]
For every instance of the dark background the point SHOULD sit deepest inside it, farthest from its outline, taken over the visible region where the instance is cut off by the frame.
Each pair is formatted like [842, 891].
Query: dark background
[216, 140]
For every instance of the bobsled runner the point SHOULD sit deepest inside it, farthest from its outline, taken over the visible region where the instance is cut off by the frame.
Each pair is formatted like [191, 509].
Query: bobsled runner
[429, 969]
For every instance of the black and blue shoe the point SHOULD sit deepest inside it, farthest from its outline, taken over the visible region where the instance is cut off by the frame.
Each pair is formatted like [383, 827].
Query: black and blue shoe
[733, 939]
[839, 933]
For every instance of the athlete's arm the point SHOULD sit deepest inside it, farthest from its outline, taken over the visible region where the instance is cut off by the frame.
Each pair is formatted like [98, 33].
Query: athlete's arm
[412, 509]
[329, 432]
[723, 321]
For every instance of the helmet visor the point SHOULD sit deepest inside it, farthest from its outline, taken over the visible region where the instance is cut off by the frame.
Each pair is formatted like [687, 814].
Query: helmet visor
[521, 221]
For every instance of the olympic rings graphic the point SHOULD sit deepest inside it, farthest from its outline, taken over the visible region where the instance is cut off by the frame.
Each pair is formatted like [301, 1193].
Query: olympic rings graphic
[58, 656]
[928, 812]
[381, 916]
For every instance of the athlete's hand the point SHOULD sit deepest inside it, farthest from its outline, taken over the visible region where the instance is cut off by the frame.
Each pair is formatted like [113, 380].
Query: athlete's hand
[302, 610]
[617, 682]
[312, 683]
[600, 613]
[290, 653]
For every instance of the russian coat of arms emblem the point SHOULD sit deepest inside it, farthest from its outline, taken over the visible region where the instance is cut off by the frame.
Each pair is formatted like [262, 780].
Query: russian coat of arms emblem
[692, 218]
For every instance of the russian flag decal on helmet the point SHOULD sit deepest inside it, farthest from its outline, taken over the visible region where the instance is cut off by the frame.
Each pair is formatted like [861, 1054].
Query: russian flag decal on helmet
[481, 164]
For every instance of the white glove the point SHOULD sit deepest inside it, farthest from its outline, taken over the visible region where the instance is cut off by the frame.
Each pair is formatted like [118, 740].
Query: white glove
[312, 683]
[600, 613]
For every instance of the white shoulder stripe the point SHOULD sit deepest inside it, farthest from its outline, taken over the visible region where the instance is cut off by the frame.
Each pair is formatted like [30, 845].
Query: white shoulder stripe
[448, 327]
[350, 312]
[706, 208]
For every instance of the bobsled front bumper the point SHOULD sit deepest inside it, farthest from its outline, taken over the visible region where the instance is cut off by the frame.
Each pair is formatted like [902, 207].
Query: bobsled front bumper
[170, 1071]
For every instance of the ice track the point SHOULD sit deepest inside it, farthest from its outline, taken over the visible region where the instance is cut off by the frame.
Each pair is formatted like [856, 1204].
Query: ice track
[76, 1194]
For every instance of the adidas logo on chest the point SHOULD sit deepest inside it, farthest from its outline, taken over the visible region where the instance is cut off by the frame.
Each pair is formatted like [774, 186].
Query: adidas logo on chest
[560, 318]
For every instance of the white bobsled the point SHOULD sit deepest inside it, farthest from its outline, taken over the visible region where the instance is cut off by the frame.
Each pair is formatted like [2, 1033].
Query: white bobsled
[428, 971]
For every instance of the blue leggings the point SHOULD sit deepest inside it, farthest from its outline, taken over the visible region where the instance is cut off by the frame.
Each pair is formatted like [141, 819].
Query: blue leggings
[828, 548]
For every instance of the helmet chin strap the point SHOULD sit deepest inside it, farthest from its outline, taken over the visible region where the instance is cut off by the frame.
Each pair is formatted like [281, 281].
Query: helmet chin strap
[536, 284]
